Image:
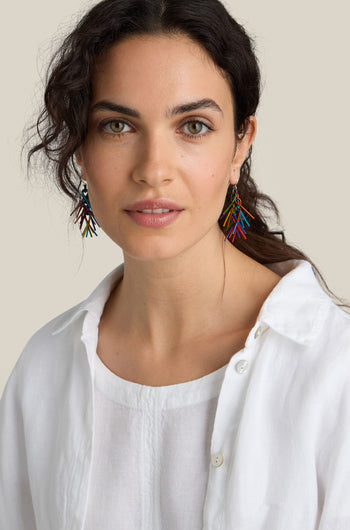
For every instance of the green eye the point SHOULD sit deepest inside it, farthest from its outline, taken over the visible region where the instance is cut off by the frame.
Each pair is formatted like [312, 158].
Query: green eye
[195, 127]
[116, 126]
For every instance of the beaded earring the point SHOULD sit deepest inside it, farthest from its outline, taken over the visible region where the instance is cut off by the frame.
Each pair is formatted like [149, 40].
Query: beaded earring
[84, 214]
[235, 218]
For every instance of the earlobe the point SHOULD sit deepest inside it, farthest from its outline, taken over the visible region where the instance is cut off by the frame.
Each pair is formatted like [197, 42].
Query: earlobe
[235, 174]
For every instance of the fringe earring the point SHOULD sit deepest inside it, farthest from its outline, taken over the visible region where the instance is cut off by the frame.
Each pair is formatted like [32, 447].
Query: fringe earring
[235, 218]
[84, 214]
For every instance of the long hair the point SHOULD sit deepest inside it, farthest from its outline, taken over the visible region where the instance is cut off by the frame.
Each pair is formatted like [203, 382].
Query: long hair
[62, 125]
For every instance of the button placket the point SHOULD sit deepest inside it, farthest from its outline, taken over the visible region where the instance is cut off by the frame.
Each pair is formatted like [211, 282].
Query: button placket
[241, 367]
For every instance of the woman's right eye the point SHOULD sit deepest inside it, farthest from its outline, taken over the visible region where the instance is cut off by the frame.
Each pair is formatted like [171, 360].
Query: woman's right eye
[116, 126]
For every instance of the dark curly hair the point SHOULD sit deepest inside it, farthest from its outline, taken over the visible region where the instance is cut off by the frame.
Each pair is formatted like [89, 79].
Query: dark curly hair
[63, 123]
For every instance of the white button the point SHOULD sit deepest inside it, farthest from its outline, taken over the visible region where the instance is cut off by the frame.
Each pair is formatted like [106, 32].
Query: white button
[217, 459]
[258, 332]
[242, 366]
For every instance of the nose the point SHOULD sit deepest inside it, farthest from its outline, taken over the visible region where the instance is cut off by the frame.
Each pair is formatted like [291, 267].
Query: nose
[154, 165]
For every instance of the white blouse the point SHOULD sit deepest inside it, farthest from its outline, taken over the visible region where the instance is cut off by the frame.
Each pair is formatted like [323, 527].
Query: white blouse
[279, 452]
[152, 446]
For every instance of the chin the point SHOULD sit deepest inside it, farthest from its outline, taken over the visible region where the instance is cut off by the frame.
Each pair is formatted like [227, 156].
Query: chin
[166, 244]
[150, 248]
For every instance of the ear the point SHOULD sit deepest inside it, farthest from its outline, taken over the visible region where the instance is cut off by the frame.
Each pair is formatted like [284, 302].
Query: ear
[242, 148]
[80, 161]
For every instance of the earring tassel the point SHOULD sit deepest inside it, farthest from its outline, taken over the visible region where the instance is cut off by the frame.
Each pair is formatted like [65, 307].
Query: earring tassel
[84, 214]
[235, 218]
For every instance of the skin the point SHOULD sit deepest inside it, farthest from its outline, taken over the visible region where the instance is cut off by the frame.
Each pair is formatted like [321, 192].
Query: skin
[187, 299]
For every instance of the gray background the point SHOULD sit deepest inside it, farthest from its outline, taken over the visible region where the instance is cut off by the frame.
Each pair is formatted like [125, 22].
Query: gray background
[300, 158]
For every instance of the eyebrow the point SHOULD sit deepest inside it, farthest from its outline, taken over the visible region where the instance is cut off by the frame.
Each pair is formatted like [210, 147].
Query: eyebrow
[206, 103]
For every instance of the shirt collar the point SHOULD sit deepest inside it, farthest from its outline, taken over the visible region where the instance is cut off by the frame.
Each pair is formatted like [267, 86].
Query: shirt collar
[94, 304]
[296, 307]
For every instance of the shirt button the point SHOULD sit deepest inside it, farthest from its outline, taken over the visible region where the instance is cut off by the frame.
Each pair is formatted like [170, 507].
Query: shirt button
[217, 459]
[258, 332]
[242, 366]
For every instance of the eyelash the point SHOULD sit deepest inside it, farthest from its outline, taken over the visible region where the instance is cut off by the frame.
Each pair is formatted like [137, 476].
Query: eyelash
[103, 128]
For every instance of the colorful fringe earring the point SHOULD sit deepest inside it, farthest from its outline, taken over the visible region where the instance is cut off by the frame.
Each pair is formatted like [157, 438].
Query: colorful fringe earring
[235, 218]
[84, 214]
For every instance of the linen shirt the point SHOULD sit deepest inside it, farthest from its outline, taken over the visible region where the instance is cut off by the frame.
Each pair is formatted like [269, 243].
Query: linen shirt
[280, 443]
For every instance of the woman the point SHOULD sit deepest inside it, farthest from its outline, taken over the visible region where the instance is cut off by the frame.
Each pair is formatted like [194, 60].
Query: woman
[203, 384]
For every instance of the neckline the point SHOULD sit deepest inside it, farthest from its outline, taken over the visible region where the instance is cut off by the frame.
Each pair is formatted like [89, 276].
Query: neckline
[135, 395]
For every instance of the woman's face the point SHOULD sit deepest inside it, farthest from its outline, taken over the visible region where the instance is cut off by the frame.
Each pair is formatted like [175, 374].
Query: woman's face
[161, 137]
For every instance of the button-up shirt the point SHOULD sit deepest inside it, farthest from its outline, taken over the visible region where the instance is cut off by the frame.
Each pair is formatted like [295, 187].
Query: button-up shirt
[280, 444]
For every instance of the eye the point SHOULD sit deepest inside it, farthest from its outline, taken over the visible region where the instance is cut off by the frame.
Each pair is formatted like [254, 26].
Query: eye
[196, 128]
[116, 126]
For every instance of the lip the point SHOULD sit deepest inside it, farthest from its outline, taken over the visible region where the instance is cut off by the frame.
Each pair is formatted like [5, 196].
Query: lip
[154, 220]
[154, 204]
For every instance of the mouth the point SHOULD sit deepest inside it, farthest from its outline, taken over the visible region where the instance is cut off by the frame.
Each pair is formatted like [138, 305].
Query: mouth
[154, 213]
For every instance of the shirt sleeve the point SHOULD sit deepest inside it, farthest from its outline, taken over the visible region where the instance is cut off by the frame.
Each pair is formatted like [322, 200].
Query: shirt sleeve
[16, 508]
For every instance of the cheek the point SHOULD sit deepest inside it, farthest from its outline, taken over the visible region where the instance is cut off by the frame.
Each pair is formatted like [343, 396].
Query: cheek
[103, 172]
[211, 182]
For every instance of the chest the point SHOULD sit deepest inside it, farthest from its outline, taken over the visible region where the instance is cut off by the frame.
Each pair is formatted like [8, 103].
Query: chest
[151, 453]
[242, 463]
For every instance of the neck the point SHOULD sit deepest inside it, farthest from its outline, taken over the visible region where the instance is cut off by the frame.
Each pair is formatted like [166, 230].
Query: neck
[176, 293]
[174, 302]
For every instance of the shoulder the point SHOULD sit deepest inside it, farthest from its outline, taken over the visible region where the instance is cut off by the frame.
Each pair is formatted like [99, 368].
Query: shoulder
[52, 333]
[310, 334]
[337, 325]
[46, 356]
[322, 377]
[331, 350]
[51, 350]
[327, 347]
[299, 309]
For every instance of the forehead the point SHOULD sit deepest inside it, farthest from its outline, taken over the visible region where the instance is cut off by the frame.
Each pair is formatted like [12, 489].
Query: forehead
[159, 67]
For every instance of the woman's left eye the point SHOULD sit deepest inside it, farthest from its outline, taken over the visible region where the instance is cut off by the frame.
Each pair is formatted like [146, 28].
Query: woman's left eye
[196, 128]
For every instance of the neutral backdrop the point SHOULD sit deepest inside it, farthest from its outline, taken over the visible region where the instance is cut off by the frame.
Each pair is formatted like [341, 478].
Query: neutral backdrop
[300, 157]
